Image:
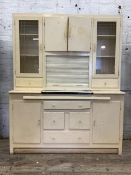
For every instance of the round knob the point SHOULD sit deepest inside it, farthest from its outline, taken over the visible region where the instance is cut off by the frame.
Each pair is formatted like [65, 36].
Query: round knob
[53, 106]
[80, 106]
[53, 138]
[79, 138]
[53, 121]
[80, 121]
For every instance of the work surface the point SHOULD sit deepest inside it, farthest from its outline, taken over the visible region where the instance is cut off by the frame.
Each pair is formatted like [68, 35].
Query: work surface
[64, 164]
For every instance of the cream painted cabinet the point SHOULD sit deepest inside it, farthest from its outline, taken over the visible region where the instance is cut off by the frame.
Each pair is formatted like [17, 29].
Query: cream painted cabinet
[66, 95]
[67, 33]
[106, 122]
[26, 121]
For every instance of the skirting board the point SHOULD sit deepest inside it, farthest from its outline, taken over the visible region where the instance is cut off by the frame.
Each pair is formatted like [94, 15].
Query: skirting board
[39, 150]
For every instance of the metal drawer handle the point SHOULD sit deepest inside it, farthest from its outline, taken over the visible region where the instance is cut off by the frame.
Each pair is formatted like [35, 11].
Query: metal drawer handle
[39, 122]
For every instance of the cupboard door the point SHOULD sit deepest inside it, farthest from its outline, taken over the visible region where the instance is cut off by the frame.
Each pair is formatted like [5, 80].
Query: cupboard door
[106, 119]
[106, 47]
[79, 35]
[26, 122]
[56, 33]
[28, 46]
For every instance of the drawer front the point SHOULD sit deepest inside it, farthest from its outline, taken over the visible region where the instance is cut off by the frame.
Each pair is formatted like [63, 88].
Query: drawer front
[66, 104]
[105, 83]
[66, 137]
[53, 120]
[29, 82]
[79, 120]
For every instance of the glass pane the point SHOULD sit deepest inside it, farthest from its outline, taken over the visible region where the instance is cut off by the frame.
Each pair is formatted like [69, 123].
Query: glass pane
[105, 65]
[106, 28]
[106, 45]
[29, 46]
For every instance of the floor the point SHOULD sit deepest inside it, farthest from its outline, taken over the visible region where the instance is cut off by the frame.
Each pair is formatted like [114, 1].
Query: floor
[64, 164]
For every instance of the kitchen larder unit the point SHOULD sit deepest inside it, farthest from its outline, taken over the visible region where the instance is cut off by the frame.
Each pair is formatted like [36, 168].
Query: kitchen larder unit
[66, 95]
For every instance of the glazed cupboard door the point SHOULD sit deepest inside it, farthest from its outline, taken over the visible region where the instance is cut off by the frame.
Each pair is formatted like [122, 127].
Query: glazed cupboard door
[106, 122]
[26, 121]
[106, 47]
[28, 46]
[55, 33]
[79, 34]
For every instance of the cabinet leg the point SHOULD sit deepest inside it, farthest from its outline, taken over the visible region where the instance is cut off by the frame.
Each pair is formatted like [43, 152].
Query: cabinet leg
[120, 150]
[11, 151]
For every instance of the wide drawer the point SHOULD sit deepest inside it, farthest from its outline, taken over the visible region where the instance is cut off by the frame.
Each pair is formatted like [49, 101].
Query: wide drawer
[66, 137]
[53, 120]
[66, 104]
[79, 120]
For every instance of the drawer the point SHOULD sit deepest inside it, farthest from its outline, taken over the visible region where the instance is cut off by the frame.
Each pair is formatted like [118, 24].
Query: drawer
[79, 120]
[105, 83]
[66, 137]
[53, 120]
[29, 82]
[66, 104]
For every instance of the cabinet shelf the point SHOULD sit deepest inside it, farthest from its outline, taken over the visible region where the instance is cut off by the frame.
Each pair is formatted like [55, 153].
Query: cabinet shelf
[28, 55]
[106, 35]
[112, 56]
[28, 34]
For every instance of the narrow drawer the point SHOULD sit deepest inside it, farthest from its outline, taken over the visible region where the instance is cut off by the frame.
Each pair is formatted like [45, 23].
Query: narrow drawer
[66, 137]
[29, 82]
[79, 120]
[105, 83]
[53, 120]
[66, 104]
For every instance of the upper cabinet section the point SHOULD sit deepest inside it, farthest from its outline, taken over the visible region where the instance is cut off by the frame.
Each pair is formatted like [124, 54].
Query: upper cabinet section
[28, 46]
[79, 35]
[106, 47]
[69, 52]
[56, 33]
[67, 33]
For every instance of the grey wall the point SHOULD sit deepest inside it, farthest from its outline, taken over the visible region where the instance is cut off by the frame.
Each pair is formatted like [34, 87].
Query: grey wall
[107, 7]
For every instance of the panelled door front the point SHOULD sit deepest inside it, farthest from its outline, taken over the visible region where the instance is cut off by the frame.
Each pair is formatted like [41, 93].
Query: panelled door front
[56, 33]
[106, 119]
[79, 35]
[26, 121]
[28, 43]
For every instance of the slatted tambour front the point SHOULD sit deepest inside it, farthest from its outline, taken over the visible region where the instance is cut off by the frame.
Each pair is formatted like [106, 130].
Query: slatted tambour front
[67, 70]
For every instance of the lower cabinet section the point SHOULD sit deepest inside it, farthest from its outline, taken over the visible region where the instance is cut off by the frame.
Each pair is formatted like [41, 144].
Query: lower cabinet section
[71, 123]
[66, 137]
